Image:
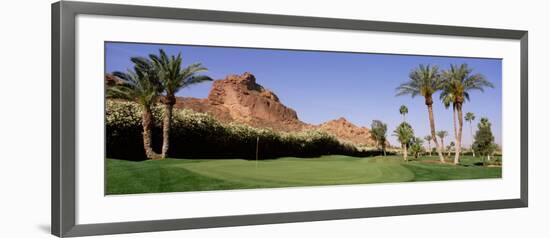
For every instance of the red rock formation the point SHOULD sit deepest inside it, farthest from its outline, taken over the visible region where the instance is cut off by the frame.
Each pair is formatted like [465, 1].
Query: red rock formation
[239, 98]
[347, 131]
[111, 80]
[248, 101]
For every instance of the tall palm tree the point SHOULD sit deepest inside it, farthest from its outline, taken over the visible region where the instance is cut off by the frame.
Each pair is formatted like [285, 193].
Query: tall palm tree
[404, 134]
[173, 78]
[442, 135]
[469, 118]
[428, 138]
[458, 81]
[447, 102]
[424, 81]
[403, 110]
[141, 87]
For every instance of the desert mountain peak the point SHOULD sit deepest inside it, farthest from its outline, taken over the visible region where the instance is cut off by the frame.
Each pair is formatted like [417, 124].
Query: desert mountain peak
[341, 120]
[345, 130]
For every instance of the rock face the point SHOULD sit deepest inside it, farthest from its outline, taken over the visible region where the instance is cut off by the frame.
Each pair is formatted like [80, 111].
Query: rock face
[111, 80]
[239, 98]
[347, 131]
[248, 101]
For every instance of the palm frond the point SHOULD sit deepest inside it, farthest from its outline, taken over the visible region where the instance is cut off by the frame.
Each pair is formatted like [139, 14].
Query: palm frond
[134, 86]
[171, 74]
[470, 116]
[458, 80]
[404, 133]
[196, 79]
[424, 80]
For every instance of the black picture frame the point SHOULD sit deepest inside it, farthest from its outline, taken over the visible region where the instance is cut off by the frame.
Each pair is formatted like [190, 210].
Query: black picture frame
[64, 132]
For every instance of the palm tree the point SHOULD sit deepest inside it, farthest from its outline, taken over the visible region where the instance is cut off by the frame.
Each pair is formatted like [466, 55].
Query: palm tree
[403, 110]
[458, 81]
[442, 135]
[404, 134]
[378, 134]
[173, 78]
[428, 138]
[141, 87]
[469, 118]
[447, 102]
[424, 81]
[416, 146]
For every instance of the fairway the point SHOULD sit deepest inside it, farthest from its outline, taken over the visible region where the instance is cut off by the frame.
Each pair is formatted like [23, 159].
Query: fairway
[178, 175]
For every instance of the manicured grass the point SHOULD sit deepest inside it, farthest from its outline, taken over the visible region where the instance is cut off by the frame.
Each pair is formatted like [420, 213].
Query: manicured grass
[469, 168]
[178, 175]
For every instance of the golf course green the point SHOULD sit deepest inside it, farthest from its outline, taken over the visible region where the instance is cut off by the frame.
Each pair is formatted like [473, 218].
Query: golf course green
[179, 175]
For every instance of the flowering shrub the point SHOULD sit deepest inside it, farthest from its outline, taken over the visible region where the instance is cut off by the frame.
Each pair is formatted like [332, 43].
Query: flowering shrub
[199, 135]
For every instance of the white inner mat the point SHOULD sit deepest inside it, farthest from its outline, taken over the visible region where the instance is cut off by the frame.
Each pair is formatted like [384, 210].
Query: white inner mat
[93, 207]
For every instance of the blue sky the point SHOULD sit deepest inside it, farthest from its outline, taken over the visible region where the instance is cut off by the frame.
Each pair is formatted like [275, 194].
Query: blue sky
[322, 86]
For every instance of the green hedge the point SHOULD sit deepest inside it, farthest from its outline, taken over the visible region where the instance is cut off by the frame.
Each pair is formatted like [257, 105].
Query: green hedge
[199, 135]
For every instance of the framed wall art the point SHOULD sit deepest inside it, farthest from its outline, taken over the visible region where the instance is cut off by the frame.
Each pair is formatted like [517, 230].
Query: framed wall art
[167, 119]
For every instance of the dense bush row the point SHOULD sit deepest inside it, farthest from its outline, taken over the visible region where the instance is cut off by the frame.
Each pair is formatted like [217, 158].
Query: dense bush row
[199, 135]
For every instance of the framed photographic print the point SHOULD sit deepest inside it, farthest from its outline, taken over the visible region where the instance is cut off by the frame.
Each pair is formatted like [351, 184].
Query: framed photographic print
[210, 119]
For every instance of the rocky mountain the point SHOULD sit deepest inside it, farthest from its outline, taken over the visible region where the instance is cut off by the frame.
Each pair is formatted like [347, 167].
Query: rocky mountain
[240, 98]
[111, 80]
[347, 131]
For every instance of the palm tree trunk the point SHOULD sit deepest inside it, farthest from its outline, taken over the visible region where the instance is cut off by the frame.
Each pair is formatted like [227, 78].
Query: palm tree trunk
[472, 143]
[454, 122]
[166, 125]
[432, 128]
[442, 143]
[454, 130]
[458, 146]
[405, 153]
[430, 147]
[147, 123]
